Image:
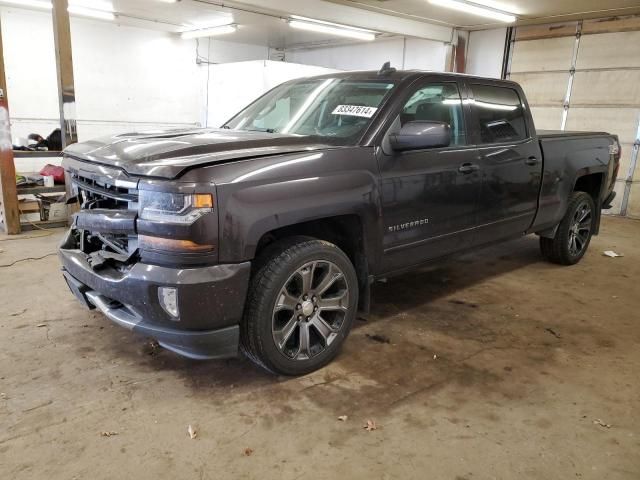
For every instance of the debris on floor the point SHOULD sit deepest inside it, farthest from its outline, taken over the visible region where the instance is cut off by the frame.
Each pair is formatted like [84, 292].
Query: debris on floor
[192, 432]
[612, 254]
[599, 422]
[379, 338]
[455, 301]
[343, 418]
[553, 332]
[108, 434]
[248, 452]
[151, 348]
[40, 325]
[370, 426]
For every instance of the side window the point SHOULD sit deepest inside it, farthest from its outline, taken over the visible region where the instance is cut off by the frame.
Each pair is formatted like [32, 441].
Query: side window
[438, 103]
[500, 113]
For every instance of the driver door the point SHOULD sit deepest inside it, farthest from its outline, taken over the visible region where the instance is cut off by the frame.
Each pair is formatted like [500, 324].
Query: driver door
[429, 196]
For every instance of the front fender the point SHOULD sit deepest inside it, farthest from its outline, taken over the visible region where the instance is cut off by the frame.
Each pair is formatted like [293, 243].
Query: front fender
[295, 189]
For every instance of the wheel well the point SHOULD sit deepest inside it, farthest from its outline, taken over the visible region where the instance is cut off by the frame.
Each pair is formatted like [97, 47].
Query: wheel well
[590, 184]
[344, 231]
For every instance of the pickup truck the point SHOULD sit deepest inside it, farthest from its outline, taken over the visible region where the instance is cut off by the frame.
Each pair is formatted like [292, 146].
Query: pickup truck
[264, 236]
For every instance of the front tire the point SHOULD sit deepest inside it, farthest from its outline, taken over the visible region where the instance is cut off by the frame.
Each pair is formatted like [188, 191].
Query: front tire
[301, 304]
[574, 232]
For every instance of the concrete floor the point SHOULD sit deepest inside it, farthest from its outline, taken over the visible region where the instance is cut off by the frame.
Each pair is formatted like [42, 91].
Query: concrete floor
[498, 366]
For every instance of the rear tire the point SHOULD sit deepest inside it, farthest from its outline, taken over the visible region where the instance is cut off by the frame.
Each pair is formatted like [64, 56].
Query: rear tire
[301, 304]
[574, 232]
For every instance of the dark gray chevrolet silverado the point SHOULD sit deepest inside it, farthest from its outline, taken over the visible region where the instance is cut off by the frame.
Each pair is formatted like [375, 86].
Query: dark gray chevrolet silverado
[265, 235]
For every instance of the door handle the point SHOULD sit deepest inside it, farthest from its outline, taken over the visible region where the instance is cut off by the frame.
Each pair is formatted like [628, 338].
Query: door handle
[531, 161]
[468, 168]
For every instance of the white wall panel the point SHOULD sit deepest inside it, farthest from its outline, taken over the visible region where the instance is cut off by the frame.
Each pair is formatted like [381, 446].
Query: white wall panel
[547, 118]
[607, 87]
[222, 51]
[485, 52]
[621, 121]
[543, 89]
[416, 54]
[31, 70]
[133, 75]
[232, 86]
[633, 206]
[617, 202]
[609, 50]
[543, 55]
[126, 78]
[424, 55]
[625, 161]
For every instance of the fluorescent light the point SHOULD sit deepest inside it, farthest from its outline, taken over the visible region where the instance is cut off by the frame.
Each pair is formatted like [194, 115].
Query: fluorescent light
[85, 8]
[209, 23]
[209, 32]
[332, 29]
[467, 7]
[30, 3]
[88, 12]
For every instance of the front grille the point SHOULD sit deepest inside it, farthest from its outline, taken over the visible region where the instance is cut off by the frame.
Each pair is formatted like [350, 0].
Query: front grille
[102, 190]
[105, 193]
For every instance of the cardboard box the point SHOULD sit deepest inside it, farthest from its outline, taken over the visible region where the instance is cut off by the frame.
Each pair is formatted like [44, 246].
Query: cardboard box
[58, 212]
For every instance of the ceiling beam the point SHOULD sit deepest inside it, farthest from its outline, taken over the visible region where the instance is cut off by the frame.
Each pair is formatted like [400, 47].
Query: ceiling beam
[351, 16]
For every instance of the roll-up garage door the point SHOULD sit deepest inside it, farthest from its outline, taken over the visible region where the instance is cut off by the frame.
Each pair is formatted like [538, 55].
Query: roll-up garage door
[586, 76]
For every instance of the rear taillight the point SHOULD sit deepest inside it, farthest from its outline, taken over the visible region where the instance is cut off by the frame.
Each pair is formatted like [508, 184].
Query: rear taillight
[616, 152]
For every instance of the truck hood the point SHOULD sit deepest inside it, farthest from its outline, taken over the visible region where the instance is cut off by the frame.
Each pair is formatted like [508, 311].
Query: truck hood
[166, 154]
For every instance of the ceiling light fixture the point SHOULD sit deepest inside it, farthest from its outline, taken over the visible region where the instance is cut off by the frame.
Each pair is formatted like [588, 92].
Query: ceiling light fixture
[320, 26]
[30, 3]
[208, 23]
[209, 32]
[100, 9]
[474, 9]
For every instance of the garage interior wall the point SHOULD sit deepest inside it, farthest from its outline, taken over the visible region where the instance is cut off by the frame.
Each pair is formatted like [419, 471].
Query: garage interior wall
[232, 86]
[158, 83]
[485, 52]
[403, 53]
[586, 76]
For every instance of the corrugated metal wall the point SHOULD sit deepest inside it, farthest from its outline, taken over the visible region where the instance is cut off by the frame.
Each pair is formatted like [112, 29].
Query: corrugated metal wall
[586, 76]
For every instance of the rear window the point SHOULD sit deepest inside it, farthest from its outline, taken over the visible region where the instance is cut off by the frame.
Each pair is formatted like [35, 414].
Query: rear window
[500, 114]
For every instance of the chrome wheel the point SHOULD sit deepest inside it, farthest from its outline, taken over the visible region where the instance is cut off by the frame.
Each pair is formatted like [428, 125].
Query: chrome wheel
[580, 229]
[310, 310]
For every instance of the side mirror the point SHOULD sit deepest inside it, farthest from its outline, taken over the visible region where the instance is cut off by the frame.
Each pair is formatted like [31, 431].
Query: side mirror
[420, 134]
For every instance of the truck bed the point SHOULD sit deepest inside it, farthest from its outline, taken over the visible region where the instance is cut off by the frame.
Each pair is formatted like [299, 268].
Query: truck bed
[543, 134]
[564, 153]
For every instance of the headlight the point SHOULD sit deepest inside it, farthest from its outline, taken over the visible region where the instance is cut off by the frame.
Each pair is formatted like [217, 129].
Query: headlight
[174, 207]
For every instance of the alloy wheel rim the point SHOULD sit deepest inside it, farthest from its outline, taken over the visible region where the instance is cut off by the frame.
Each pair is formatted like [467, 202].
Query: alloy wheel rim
[580, 229]
[310, 310]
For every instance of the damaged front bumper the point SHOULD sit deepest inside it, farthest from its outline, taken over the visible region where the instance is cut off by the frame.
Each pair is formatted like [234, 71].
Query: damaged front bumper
[210, 301]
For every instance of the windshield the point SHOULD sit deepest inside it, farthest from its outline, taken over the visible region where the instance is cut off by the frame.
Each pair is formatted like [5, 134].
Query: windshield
[330, 108]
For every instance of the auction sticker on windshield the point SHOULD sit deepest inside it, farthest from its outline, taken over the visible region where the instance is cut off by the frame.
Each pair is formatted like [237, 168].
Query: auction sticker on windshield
[355, 111]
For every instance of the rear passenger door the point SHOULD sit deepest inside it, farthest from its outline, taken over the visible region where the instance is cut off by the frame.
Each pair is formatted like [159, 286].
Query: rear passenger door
[509, 158]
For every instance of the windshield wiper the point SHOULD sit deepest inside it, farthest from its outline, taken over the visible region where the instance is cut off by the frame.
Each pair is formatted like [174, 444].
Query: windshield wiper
[265, 130]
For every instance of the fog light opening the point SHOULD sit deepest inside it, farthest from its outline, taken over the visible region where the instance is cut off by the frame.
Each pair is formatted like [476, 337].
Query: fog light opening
[168, 297]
